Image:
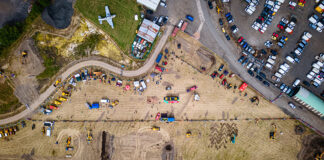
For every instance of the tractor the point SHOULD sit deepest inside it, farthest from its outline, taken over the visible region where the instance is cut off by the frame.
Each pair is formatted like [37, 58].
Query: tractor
[57, 102]
[188, 134]
[89, 137]
[68, 144]
[273, 133]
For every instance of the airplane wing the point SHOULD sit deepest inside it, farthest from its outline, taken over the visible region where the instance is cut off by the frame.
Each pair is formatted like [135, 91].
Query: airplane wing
[107, 11]
[109, 20]
[99, 18]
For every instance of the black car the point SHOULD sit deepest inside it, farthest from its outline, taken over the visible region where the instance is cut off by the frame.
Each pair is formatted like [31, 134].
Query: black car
[262, 75]
[251, 73]
[149, 11]
[240, 60]
[259, 78]
[210, 5]
[220, 22]
[263, 52]
[165, 19]
[221, 68]
[227, 37]
[306, 83]
[274, 52]
[266, 83]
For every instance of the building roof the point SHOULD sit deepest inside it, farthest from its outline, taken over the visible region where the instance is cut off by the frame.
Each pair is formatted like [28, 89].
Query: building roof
[151, 4]
[148, 30]
[310, 99]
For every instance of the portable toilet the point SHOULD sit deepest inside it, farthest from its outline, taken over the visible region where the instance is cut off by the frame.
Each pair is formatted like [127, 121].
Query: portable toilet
[48, 132]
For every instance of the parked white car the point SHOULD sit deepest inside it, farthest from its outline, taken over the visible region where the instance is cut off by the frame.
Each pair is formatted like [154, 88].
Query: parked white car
[295, 84]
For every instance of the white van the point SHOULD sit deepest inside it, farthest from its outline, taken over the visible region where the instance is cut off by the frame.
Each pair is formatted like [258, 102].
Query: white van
[281, 71]
[315, 70]
[48, 132]
[136, 83]
[268, 65]
[271, 61]
[143, 84]
[315, 65]
[104, 100]
[283, 67]
[309, 76]
[317, 81]
[295, 84]
[286, 65]
[319, 63]
[278, 75]
[290, 59]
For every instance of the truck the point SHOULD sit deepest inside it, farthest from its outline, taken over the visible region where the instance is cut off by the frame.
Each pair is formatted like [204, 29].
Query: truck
[320, 8]
[143, 84]
[184, 26]
[48, 131]
[159, 57]
[175, 31]
[166, 118]
[94, 106]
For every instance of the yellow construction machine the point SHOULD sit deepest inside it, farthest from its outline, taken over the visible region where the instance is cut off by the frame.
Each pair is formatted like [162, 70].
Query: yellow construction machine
[273, 133]
[57, 102]
[89, 137]
[155, 128]
[68, 144]
[43, 131]
[65, 93]
[188, 134]
[57, 82]
[62, 99]
[24, 55]
[115, 103]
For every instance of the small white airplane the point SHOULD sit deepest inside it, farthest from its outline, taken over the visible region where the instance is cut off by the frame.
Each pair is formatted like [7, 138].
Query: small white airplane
[108, 18]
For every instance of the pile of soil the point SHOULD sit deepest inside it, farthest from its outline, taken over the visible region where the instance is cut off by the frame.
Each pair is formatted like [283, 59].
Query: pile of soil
[59, 14]
[312, 145]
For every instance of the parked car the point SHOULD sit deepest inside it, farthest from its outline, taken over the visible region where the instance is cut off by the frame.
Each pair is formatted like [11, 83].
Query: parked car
[229, 17]
[295, 84]
[234, 29]
[259, 78]
[251, 73]
[190, 18]
[282, 86]
[249, 65]
[245, 61]
[240, 60]
[266, 83]
[221, 68]
[220, 22]
[291, 105]
[227, 37]
[210, 5]
[306, 83]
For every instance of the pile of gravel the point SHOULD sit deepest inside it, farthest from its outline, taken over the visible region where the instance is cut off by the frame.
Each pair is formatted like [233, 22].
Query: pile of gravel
[58, 14]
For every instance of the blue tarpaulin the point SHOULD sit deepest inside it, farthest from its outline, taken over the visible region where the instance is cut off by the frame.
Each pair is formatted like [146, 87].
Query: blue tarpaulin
[94, 106]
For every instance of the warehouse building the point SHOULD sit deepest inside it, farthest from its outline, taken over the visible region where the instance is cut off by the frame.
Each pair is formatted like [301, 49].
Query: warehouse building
[148, 30]
[151, 4]
[310, 101]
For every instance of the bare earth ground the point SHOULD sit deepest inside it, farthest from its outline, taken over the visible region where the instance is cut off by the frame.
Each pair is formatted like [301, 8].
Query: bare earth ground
[136, 140]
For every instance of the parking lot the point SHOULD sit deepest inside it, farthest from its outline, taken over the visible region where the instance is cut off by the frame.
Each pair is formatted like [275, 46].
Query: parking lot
[298, 70]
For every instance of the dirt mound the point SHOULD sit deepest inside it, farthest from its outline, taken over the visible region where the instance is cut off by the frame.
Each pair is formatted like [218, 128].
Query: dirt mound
[312, 145]
[58, 14]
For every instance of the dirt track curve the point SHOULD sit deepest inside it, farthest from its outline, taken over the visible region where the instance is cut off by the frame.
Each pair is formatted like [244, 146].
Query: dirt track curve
[145, 68]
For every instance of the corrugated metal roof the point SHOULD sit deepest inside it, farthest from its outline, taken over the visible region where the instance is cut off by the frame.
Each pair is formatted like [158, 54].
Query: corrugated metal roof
[310, 99]
[151, 4]
[148, 30]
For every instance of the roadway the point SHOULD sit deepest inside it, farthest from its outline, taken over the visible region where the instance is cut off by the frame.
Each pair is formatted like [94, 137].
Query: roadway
[144, 69]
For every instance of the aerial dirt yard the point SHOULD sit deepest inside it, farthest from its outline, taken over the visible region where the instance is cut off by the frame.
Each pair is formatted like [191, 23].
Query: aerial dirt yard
[136, 140]
[220, 113]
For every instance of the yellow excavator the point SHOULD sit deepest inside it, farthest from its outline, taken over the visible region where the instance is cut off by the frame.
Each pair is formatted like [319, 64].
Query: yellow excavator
[89, 137]
[68, 144]
[155, 128]
[273, 133]
[115, 103]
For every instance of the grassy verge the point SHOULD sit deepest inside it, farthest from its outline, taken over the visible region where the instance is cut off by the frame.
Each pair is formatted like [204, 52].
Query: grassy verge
[89, 44]
[8, 101]
[125, 25]
[50, 62]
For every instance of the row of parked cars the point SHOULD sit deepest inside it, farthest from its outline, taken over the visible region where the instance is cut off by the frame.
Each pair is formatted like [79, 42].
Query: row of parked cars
[316, 23]
[267, 15]
[316, 75]
[251, 7]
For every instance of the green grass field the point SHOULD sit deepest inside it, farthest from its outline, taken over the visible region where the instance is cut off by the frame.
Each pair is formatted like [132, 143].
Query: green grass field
[8, 101]
[125, 25]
